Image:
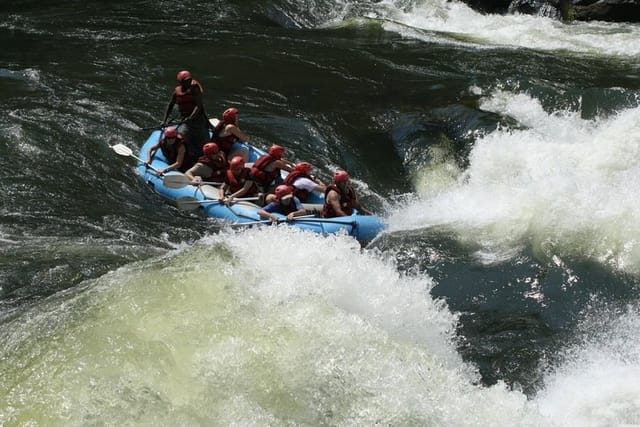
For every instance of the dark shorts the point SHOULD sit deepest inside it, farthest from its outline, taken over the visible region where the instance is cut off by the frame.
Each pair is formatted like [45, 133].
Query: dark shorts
[197, 134]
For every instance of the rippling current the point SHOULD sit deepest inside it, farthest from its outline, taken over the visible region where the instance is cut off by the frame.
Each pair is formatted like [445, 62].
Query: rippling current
[502, 151]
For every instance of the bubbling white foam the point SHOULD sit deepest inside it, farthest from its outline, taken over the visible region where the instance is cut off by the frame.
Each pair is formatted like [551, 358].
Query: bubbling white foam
[561, 178]
[455, 22]
[598, 383]
[271, 326]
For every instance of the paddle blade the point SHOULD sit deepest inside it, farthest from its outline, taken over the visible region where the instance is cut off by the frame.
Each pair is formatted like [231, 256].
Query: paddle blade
[175, 181]
[122, 150]
[187, 203]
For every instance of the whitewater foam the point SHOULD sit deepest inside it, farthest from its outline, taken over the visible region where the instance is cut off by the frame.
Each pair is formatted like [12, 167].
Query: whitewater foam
[558, 178]
[454, 22]
[313, 330]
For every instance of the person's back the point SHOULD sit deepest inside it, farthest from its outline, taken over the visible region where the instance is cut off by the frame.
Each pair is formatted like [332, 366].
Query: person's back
[302, 181]
[266, 170]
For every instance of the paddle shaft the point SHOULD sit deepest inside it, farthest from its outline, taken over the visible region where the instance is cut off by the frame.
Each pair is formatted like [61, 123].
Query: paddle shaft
[188, 203]
[123, 150]
[240, 199]
[328, 221]
[179, 181]
[163, 125]
[265, 221]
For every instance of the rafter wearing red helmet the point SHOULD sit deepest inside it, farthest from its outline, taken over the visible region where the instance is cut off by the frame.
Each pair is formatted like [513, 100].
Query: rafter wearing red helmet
[211, 166]
[228, 135]
[340, 199]
[284, 203]
[303, 182]
[173, 148]
[194, 126]
[266, 170]
[238, 182]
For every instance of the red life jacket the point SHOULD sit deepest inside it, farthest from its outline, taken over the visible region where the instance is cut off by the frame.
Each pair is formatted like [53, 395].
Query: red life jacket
[218, 165]
[185, 99]
[347, 199]
[224, 142]
[259, 173]
[236, 183]
[301, 194]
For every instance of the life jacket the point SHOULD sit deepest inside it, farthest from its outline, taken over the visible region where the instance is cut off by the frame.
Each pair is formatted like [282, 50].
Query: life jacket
[301, 194]
[259, 170]
[170, 152]
[224, 142]
[286, 209]
[218, 165]
[236, 183]
[347, 200]
[185, 100]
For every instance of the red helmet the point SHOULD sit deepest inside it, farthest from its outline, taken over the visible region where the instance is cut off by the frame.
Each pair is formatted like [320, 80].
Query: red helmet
[183, 75]
[303, 167]
[236, 163]
[276, 151]
[170, 133]
[230, 115]
[210, 148]
[341, 176]
[283, 190]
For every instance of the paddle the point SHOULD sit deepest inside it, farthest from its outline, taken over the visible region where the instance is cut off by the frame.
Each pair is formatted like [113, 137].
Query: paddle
[241, 224]
[123, 150]
[158, 127]
[266, 221]
[179, 181]
[188, 203]
[297, 218]
[328, 221]
[163, 125]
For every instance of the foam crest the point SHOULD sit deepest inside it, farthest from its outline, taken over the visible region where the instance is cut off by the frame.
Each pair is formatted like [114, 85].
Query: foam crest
[333, 270]
[458, 23]
[562, 179]
[599, 381]
[268, 326]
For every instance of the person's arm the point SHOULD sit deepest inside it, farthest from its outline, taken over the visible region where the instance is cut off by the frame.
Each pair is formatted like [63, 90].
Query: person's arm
[300, 210]
[223, 189]
[241, 192]
[320, 188]
[361, 207]
[282, 164]
[267, 212]
[333, 198]
[169, 109]
[235, 131]
[304, 183]
[151, 152]
[318, 181]
[196, 172]
[179, 159]
[197, 97]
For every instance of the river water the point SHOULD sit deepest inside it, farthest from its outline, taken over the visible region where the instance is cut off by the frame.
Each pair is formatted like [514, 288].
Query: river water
[502, 151]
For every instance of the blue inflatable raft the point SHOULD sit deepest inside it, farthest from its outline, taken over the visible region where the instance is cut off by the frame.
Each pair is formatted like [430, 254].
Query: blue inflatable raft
[176, 189]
